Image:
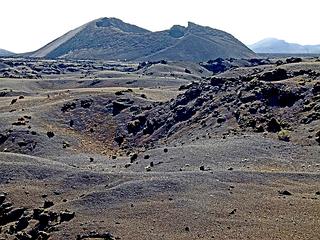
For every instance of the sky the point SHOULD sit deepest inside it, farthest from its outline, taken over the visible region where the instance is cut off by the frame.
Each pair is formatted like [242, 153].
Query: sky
[27, 25]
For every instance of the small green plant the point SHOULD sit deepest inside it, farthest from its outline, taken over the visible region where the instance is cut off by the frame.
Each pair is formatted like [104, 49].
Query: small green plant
[284, 135]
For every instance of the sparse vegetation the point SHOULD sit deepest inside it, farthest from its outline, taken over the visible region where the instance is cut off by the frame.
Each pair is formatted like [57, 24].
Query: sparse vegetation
[284, 135]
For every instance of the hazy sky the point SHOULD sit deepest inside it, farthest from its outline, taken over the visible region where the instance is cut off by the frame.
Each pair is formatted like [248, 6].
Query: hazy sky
[27, 25]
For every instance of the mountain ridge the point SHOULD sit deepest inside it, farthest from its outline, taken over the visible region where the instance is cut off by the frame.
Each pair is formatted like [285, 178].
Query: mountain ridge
[113, 39]
[274, 45]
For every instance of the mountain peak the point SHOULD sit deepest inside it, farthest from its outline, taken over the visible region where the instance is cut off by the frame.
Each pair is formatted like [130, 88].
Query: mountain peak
[119, 24]
[192, 25]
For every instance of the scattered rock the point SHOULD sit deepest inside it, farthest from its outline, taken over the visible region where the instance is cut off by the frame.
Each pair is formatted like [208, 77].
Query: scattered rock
[233, 212]
[65, 144]
[128, 165]
[133, 157]
[187, 71]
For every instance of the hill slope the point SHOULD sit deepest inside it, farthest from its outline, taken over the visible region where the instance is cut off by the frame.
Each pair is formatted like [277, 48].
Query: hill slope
[5, 53]
[112, 39]
[272, 45]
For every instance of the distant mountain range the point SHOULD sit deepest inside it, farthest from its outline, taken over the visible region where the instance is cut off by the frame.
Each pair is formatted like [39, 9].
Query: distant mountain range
[5, 53]
[273, 45]
[113, 39]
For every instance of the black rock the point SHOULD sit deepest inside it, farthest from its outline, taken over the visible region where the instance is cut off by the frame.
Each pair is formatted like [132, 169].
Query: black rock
[3, 138]
[44, 219]
[2, 198]
[118, 106]
[50, 134]
[285, 192]
[221, 119]
[274, 75]
[24, 236]
[36, 213]
[233, 212]
[119, 140]
[273, 126]
[86, 103]
[68, 106]
[66, 216]
[133, 157]
[293, 60]
[187, 71]
[13, 215]
[22, 224]
[48, 204]
[134, 126]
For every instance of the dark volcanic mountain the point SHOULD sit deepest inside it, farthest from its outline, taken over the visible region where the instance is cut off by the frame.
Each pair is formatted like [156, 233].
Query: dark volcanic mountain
[112, 39]
[5, 53]
[273, 45]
